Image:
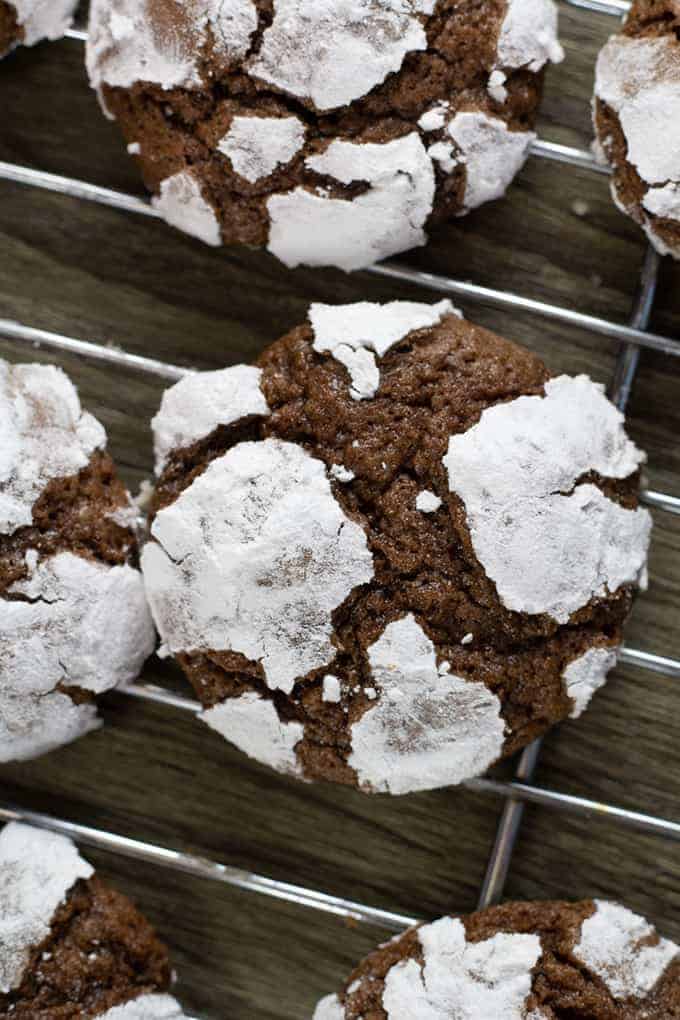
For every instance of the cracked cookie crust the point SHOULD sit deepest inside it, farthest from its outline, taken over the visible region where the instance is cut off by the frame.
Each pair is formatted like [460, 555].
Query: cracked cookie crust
[395, 550]
[593, 960]
[330, 133]
[70, 947]
[73, 617]
[637, 119]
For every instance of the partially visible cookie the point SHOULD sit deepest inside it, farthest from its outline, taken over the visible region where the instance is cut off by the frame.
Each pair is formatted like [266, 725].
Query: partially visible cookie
[330, 133]
[395, 550]
[70, 947]
[27, 22]
[73, 616]
[522, 961]
[637, 119]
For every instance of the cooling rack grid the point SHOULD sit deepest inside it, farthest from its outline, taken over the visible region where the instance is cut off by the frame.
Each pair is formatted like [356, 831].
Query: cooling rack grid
[632, 339]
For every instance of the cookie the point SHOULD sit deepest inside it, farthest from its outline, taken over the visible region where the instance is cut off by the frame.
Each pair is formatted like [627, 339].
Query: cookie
[395, 550]
[73, 616]
[330, 133]
[70, 947]
[637, 119]
[27, 22]
[522, 961]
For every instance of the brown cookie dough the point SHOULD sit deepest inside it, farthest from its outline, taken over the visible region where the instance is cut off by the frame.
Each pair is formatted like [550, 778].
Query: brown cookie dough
[73, 616]
[637, 119]
[333, 134]
[395, 550]
[27, 22]
[522, 961]
[70, 947]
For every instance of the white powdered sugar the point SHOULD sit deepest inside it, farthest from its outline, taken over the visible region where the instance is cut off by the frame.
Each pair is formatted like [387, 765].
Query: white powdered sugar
[528, 36]
[461, 979]
[37, 870]
[72, 622]
[332, 689]
[182, 205]
[253, 725]
[201, 402]
[548, 542]
[624, 950]
[496, 87]
[664, 201]
[355, 334]
[330, 1008]
[389, 217]
[429, 728]
[427, 502]
[640, 80]
[586, 675]
[44, 434]
[491, 152]
[256, 146]
[254, 557]
[127, 41]
[146, 1007]
[333, 53]
[44, 19]
[341, 474]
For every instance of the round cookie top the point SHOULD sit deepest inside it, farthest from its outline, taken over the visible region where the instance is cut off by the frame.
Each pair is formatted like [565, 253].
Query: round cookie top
[395, 550]
[334, 133]
[69, 942]
[73, 615]
[523, 961]
[637, 119]
[27, 22]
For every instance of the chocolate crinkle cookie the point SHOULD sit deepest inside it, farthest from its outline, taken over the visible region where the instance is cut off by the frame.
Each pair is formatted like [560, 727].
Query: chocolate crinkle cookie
[395, 550]
[27, 22]
[332, 133]
[637, 119]
[70, 947]
[73, 616]
[522, 961]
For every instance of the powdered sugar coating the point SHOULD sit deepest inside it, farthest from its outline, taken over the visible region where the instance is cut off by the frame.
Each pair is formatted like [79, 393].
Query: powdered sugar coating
[146, 1007]
[429, 728]
[427, 502]
[76, 623]
[201, 402]
[461, 979]
[664, 201]
[311, 228]
[44, 434]
[254, 557]
[330, 1008]
[354, 334]
[586, 675]
[528, 36]
[493, 154]
[624, 950]
[548, 543]
[44, 19]
[126, 45]
[182, 205]
[332, 53]
[256, 146]
[640, 80]
[37, 870]
[252, 723]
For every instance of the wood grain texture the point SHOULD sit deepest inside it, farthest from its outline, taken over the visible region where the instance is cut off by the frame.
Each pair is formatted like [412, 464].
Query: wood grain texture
[156, 773]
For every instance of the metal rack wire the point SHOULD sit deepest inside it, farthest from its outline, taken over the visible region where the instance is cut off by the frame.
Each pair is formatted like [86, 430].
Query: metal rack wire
[632, 338]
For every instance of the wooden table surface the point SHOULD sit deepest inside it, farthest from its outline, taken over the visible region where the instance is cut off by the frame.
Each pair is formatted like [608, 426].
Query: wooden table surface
[157, 774]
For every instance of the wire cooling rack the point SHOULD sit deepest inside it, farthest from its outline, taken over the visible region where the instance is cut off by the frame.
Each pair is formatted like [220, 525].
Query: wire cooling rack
[631, 338]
